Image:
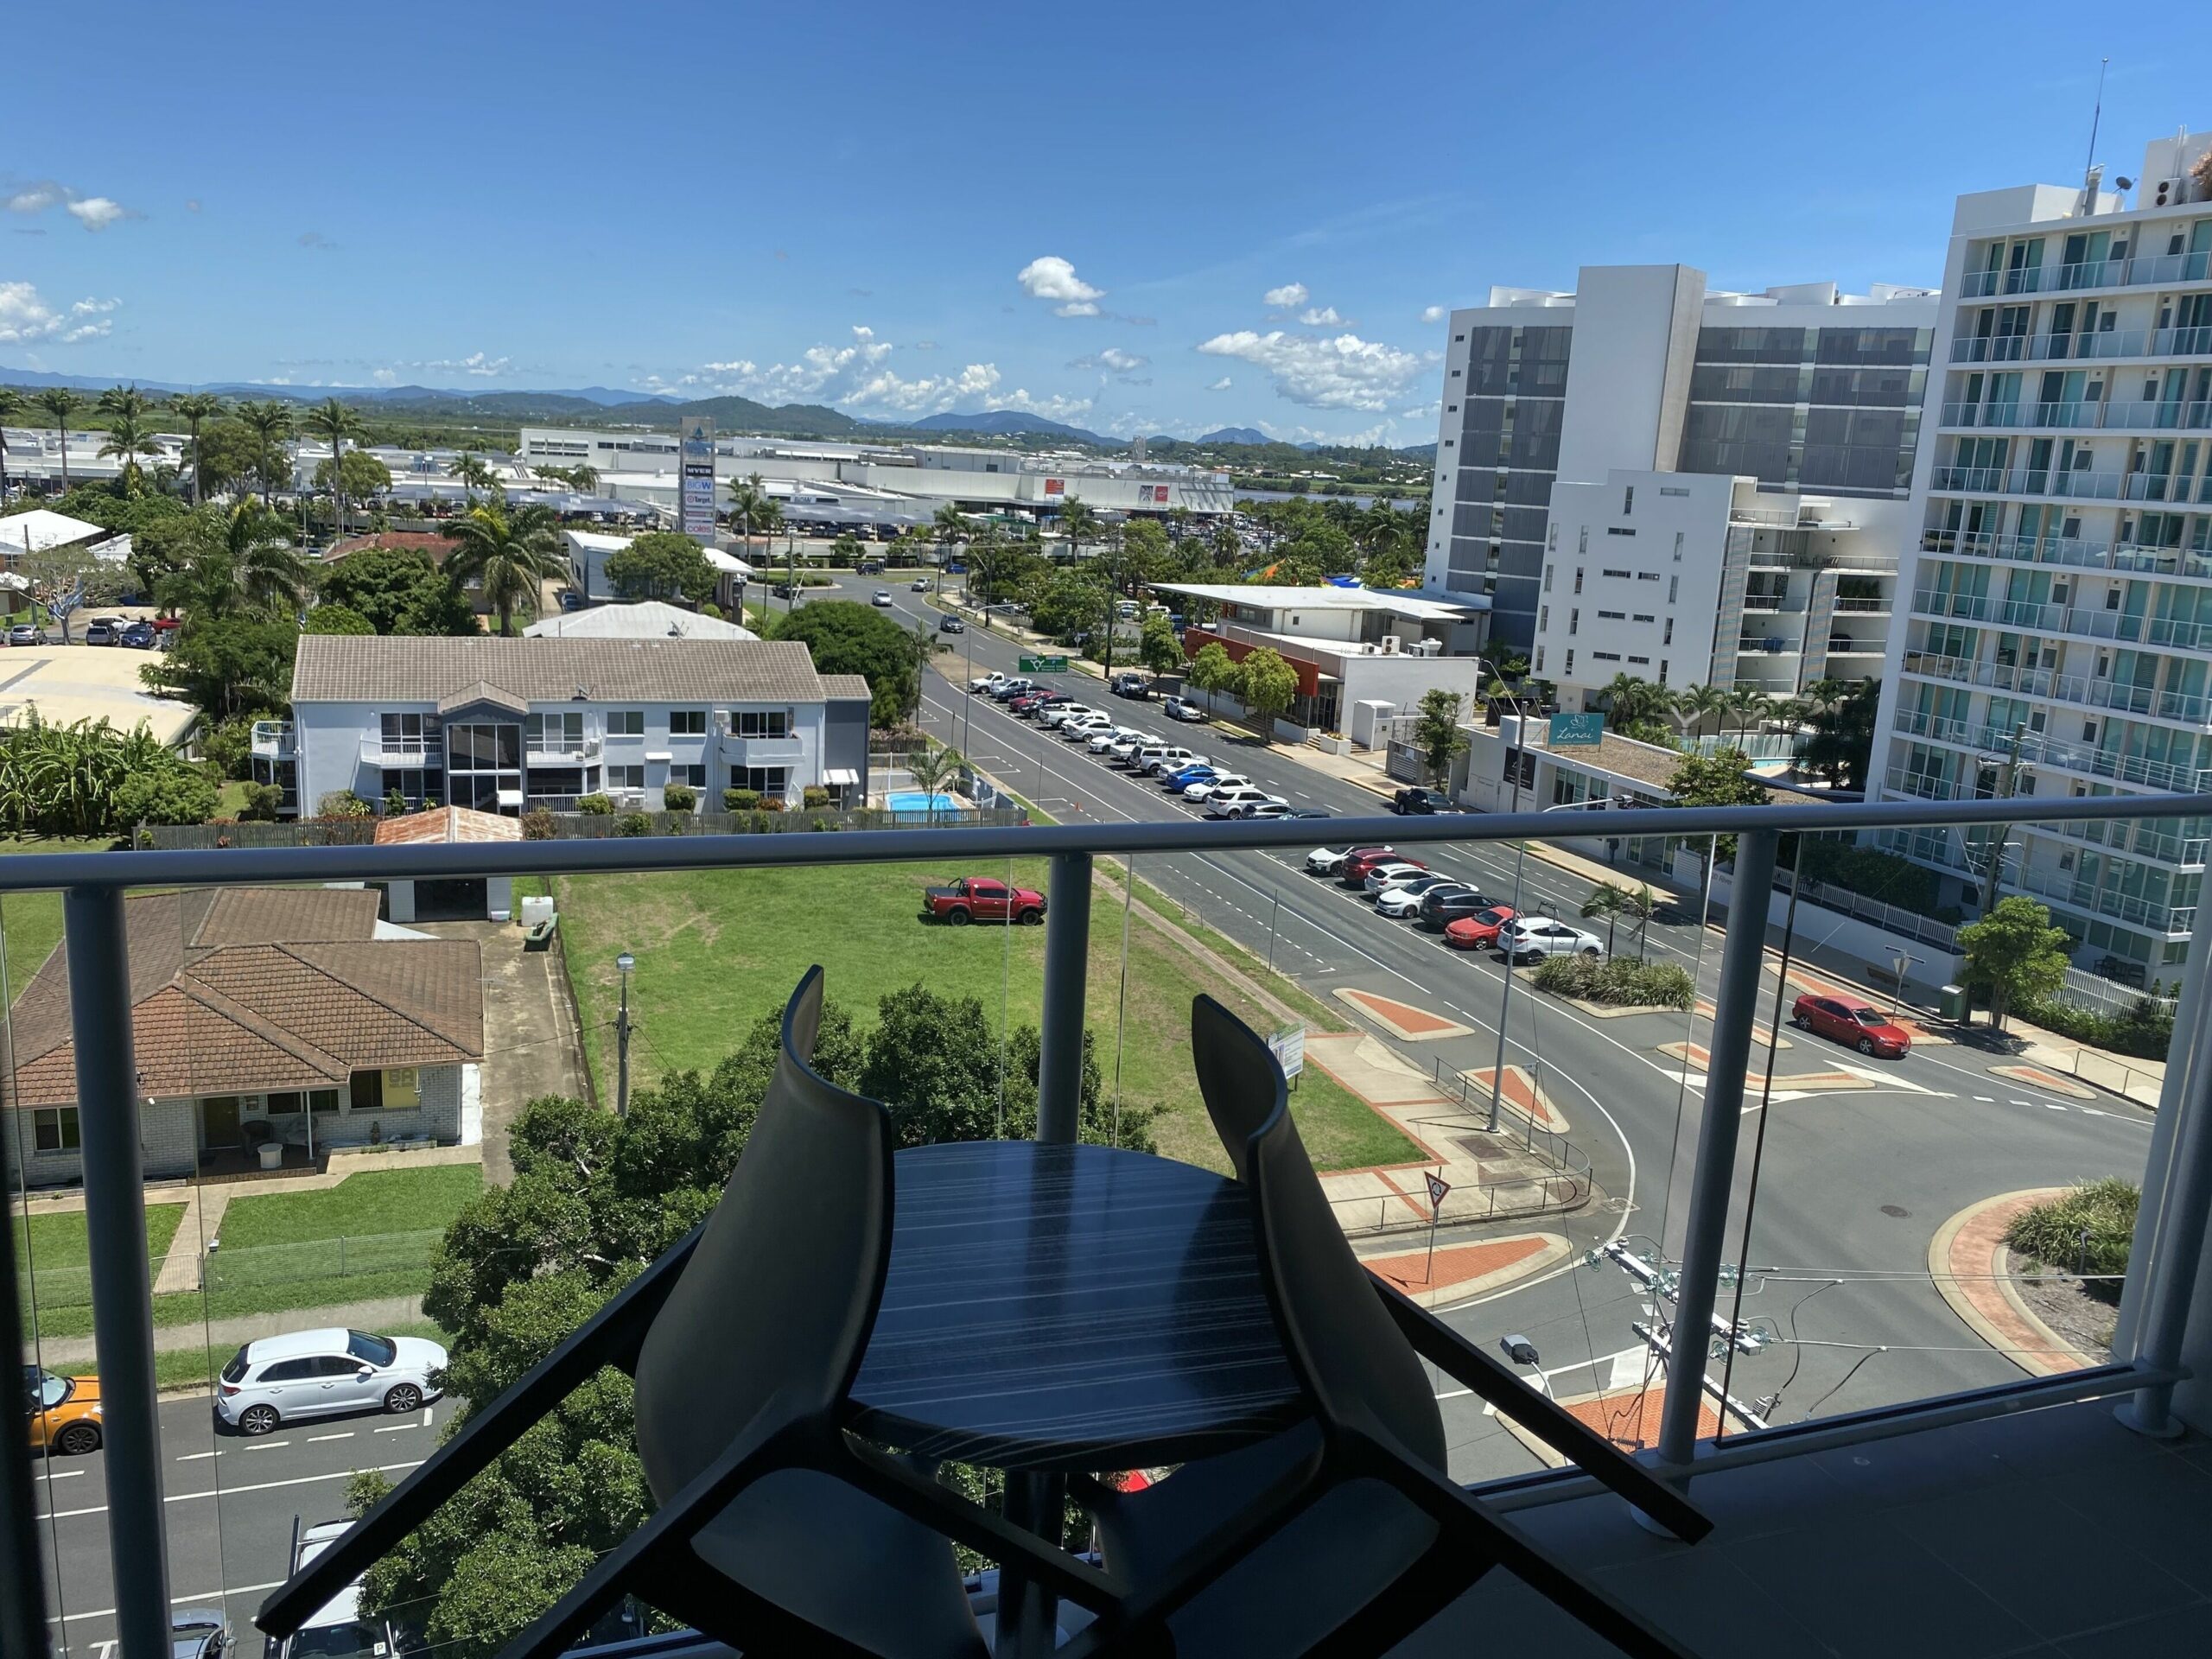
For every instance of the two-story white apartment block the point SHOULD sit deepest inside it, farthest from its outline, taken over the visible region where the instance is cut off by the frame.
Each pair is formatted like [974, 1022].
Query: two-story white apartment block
[2060, 637]
[502, 725]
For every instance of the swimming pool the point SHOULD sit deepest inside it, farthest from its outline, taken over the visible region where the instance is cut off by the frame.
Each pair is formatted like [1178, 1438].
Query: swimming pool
[917, 800]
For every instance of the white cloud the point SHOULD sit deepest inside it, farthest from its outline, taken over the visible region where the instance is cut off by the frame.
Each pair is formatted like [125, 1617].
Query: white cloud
[35, 198]
[1435, 312]
[932, 393]
[384, 377]
[1051, 278]
[859, 374]
[1053, 408]
[1113, 360]
[97, 213]
[1341, 372]
[1288, 297]
[25, 317]
[1322, 316]
[475, 363]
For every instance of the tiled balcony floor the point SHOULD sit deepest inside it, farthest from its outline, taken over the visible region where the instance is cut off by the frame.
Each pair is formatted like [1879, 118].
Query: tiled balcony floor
[2051, 1533]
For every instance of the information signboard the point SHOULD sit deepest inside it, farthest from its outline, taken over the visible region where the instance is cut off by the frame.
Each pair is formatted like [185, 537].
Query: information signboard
[1576, 731]
[695, 507]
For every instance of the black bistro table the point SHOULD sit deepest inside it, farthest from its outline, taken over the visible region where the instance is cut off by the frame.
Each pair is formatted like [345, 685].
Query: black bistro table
[1064, 1309]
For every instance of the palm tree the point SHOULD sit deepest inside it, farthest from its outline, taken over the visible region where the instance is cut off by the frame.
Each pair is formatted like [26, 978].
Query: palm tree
[12, 406]
[336, 421]
[253, 566]
[473, 474]
[952, 527]
[60, 403]
[583, 476]
[1607, 900]
[1747, 708]
[510, 554]
[1630, 700]
[1695, 705]
[128, 439]
[1640, 905]
[192, 408]
[1078, 523]
[270, 423]
[931, 769]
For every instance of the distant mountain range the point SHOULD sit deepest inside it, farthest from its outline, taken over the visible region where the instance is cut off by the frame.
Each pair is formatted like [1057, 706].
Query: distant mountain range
[1236, 434]
[1000, 422]
[600, 397]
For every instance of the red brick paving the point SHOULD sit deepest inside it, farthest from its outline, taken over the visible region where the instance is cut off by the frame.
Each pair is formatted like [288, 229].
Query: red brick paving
[1455, 1264]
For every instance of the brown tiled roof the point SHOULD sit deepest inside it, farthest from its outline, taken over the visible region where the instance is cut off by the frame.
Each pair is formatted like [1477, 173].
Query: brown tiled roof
[445, 824]
[365, 668]
[835, 686]
[212, 1014]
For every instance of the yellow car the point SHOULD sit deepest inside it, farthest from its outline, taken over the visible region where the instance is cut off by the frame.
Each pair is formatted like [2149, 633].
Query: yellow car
[65, 1412]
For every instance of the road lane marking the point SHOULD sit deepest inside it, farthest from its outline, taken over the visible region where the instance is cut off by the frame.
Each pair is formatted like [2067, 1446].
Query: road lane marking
[2050, 1106]
[346, 1435]
[192, 1457]
[1986, 1100]
[426, 1417]
[267, 1446]
[174, 1601]
[400, 1428]
[234, 1492]
[61, 1474]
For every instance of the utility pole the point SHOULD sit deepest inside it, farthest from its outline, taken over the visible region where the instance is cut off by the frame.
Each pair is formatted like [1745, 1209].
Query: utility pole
[2007, 783]
[626, 961]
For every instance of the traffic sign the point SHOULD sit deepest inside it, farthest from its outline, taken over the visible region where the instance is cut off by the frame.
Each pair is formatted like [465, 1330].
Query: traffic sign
[1044, 664]
[1288, 1046]
[1438, 1187]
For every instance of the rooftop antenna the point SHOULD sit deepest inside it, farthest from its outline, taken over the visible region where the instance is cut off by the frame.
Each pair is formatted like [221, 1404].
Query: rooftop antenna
[2096, 116]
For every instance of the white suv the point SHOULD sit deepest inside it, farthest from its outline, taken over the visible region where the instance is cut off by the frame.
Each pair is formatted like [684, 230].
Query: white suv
[1533, 937]
[1174, 757]
[1238, 803]
[275, 1380]
[1062, 713]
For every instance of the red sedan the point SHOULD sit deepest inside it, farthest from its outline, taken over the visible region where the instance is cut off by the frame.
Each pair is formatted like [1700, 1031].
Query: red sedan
[1853, 1023]
[1479, 931]
[1362, 860]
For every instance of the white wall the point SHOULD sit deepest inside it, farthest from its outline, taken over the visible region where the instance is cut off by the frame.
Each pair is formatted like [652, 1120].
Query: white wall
[1632, 325]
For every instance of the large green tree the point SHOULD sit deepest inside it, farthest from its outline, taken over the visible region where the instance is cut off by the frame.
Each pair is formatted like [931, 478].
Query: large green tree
[1437, 733]
[845, 637]
[88, 778]
[65, 580]
[229, 666]
[336, 421]
[238, 561]
[1717, 779]
[195, 409]
[1270, 685]
[356, 476]
[662, 564]
[128, 439]
[60, 403]
[1841, 747]
[270, 423]
[510, 553]
[594, 1198]
[400, 590]
[2015, 952]
[1158, 648]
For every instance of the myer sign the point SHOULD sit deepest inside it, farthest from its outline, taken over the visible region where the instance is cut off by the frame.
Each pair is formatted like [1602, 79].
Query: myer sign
[695, 505]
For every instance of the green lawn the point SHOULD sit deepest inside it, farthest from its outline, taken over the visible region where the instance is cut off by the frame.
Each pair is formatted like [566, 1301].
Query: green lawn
[716, 948]
[32, 921]
[55, 1249]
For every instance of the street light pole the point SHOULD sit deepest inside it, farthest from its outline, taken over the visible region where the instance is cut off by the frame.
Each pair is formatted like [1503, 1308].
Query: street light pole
[625, 963]
[1505, 997]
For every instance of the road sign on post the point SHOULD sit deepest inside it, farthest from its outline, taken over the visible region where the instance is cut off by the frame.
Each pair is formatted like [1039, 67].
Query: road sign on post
[1288, 1046]
[1438, 1187]
[1044, 665]
[1575, 732]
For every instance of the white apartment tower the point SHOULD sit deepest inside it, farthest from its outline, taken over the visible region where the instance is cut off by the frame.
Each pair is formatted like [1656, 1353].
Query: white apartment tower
[2060, 593]
[1565, 416]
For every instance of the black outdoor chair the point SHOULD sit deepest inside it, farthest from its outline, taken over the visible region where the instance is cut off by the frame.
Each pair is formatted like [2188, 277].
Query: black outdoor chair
[776, 1533]
[1346, 1532]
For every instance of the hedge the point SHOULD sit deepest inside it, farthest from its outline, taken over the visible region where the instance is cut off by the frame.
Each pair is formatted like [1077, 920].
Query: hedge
[1872, 874]
[1620, 983]
[2146, 1031]
[2050, 1232]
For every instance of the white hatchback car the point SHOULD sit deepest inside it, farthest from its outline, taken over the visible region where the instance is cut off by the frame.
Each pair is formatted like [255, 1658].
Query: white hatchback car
[1223, 781]
[1239, 803]
[1534, 937]
[273, 1381]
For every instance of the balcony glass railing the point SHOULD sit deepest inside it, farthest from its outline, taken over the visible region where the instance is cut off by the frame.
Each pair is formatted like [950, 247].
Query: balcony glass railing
[2085, 690]
[2071, 620]
[2071, 483]
[330, 1172]
[2109, 343]
[2132, 558]
[2085, 759]
[2094, 273]
[2130, 415]
[273, 738]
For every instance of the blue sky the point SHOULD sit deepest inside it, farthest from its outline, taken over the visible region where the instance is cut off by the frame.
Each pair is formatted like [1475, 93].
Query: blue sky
[1139, 219]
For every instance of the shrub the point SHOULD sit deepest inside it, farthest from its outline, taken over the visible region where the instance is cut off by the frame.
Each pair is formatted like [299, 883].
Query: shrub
[1620, 983]
[539, 824]
[772, 804]
[740, 800]
[598, 805]
[344, 804]
[2146, 1030]
[679, 797]
[394, 803]
[263, 803]
[814, 796]
[1872, 874]
[711, 610]
[2051, 1232]
[229, 747]
[633, 823]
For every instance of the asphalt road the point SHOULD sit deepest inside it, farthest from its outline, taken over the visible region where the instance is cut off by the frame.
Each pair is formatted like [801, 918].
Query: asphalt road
[231, 1503]
[1852, 1183]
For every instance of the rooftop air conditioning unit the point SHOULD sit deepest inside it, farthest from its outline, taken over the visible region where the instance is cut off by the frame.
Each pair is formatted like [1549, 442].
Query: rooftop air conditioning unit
[1391, 644]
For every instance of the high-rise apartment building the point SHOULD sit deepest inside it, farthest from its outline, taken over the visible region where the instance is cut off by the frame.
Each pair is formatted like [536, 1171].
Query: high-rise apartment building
[1805, 390]
[2060, 588]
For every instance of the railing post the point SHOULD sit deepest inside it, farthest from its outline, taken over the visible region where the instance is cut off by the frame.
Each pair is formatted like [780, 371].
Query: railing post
[1704, 1242]
[22, 1593]
[1067, 958]
[115, 1227]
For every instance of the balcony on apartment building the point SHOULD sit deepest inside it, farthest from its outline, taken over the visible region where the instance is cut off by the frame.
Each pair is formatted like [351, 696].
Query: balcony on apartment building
[2181, 844]
[273, 740]
[2092, 346]
[2068, 483]
[748, 742]
[2117, 415]
[2077, 621]
[2088, 896]
[1900, 1466]
[2131, 558]
[2084, 760]
[2088, 690]
[2088, 274]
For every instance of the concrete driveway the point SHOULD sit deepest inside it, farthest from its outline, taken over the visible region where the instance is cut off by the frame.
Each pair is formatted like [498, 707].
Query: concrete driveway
[530, 1033]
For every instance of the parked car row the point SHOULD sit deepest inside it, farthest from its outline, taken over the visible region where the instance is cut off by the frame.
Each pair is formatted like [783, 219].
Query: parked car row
[1407, 889]
[1215, 791]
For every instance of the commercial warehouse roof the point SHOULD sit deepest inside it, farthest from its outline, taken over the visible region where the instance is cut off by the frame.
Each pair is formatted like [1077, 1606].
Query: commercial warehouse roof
[648, 618]
[66, 683]
[33, 531]
[363, 668]
[1328, 598]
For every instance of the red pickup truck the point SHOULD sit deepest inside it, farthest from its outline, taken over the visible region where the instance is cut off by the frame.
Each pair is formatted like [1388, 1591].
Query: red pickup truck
[979, 899]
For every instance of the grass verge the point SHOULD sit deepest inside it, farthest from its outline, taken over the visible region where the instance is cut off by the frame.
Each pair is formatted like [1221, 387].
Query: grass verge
[716, 948]
[176, 1369]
